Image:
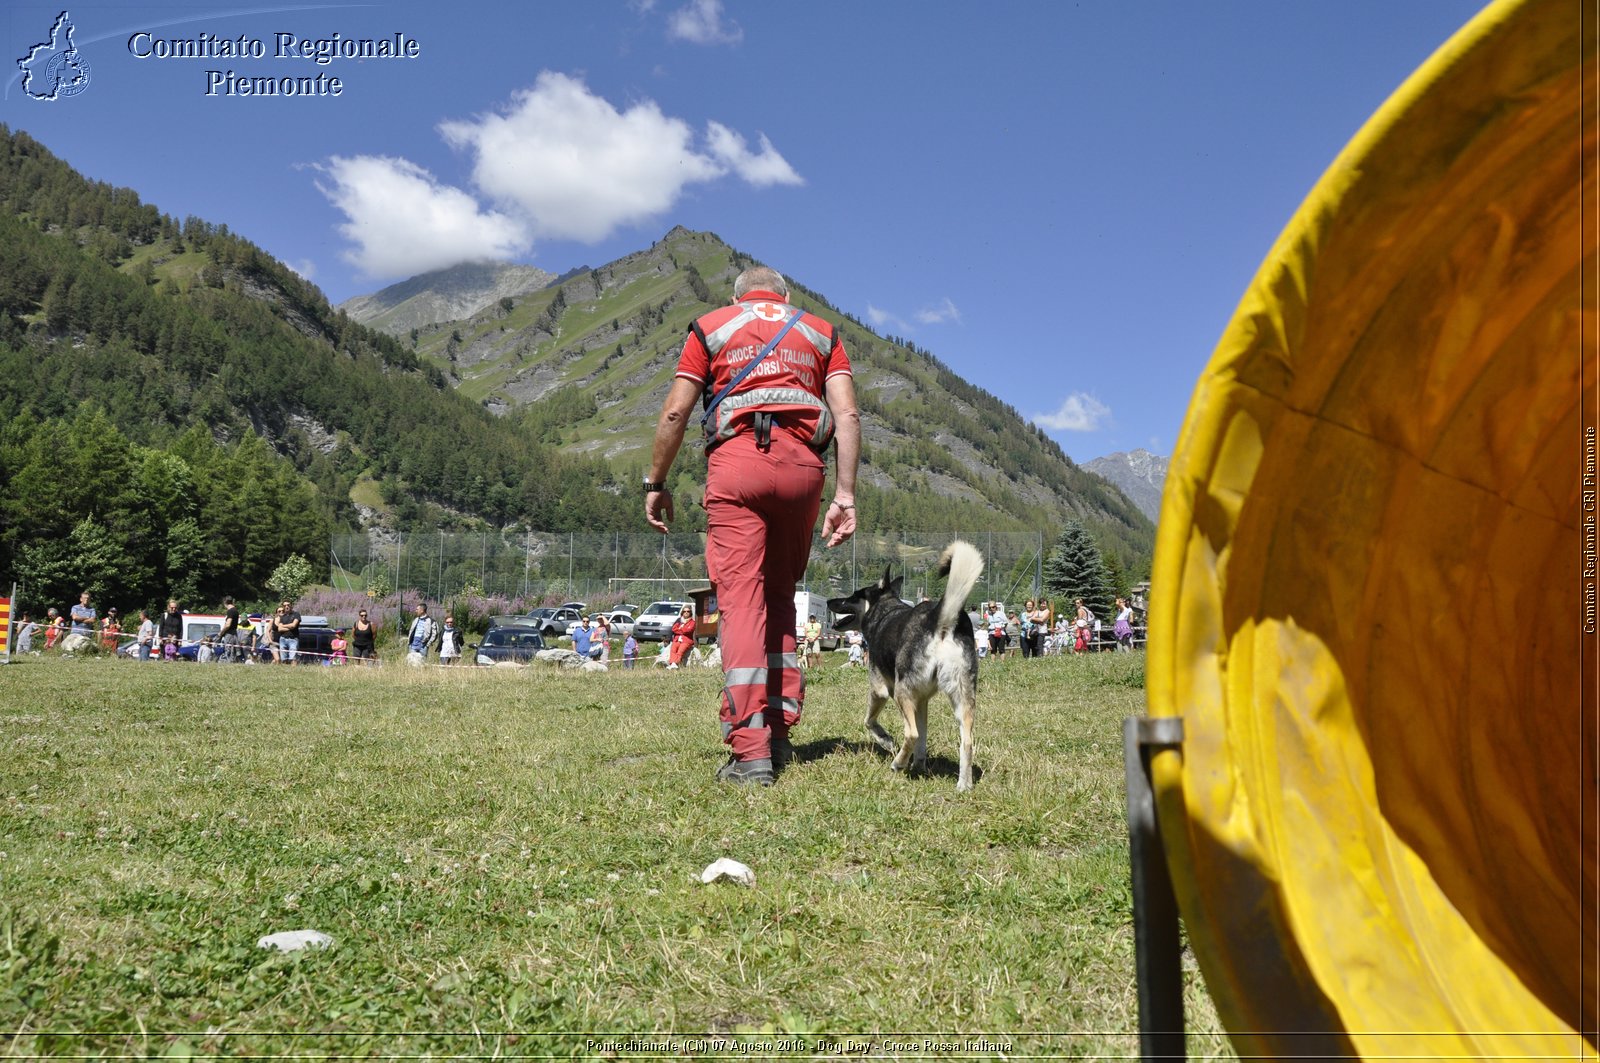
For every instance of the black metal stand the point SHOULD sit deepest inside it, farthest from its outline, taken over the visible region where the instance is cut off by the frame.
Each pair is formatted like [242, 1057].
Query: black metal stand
[1155, 908]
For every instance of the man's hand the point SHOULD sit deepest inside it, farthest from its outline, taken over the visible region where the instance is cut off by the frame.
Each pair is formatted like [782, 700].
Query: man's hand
[840, 523]
[658, 510]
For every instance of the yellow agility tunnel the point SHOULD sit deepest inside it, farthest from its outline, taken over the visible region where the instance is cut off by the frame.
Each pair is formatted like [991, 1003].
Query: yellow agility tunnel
[1381, 819]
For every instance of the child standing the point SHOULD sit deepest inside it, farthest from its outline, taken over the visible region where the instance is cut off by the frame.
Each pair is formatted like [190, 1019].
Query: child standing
[25, 635]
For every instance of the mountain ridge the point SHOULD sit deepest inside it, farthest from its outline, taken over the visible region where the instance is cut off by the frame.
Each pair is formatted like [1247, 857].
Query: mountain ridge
[603, 344]
[455, 292]
[1138, 473]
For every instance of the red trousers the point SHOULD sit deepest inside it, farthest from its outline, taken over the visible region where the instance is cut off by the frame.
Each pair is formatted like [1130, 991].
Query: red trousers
[761, 507]
[679, 649]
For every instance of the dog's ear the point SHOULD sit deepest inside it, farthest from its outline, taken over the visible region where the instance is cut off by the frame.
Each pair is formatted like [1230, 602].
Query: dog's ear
[894, 586]
[885, 582]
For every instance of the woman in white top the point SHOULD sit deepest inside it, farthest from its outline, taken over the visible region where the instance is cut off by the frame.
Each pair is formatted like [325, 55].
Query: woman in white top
[449, 642]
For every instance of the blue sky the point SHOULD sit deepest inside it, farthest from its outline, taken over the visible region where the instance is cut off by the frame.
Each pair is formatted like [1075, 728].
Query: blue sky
[1062, 201]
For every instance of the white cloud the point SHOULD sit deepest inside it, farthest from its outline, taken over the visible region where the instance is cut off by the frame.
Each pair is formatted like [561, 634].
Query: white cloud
[578, 168]
[883, 319]
[765, 167]
[556, 162]
[702, 22]
[938, 314]
[1079, 413]
[304, 268]
[403, 222]
[935, 314]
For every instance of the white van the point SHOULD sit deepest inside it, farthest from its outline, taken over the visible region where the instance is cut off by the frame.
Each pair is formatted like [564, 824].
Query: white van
[655, 623]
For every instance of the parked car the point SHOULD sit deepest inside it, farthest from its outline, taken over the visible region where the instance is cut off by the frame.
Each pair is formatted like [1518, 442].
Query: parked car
[552, 622]
[655, 623]
[621, 622]
[582, 607]
[507, 642]
[316, 638]
[196, 626]
[316, 642]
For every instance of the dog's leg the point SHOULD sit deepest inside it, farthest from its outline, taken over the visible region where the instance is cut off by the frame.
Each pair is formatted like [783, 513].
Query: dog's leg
[919, 756]
[876, 700]
[966, 704]
[908, 709]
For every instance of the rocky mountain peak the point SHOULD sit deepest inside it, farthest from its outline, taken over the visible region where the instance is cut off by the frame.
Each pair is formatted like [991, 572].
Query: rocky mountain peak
[1140, 474]
[450, 294]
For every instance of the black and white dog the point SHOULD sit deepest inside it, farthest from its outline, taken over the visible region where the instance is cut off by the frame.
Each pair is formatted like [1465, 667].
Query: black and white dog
[913, 652]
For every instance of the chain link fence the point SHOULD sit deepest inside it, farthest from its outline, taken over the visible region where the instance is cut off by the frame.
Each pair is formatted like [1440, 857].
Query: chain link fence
[536, 567]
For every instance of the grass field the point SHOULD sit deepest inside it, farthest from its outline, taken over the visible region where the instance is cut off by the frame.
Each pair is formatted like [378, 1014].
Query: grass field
[507, 861]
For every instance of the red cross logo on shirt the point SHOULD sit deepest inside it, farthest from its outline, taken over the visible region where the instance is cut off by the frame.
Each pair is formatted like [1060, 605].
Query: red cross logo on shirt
[768, 312]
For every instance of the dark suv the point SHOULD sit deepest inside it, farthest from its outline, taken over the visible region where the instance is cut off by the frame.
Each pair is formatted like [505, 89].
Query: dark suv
[511, 642]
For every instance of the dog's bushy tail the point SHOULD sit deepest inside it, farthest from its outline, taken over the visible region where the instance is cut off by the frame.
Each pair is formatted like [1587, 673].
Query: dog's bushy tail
[962, 563]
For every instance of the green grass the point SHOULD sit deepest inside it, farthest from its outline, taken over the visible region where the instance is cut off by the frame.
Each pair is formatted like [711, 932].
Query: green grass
[507, 862]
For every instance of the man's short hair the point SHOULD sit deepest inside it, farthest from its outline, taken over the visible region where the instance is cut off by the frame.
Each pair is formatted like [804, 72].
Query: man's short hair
[763, 277]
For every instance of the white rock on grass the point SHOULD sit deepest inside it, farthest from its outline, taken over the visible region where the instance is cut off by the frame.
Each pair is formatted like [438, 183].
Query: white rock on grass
[294, 940]
[562, 658]
[732, 870]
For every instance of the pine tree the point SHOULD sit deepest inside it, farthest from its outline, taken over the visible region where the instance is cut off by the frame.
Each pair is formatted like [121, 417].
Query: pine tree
[1076, 570]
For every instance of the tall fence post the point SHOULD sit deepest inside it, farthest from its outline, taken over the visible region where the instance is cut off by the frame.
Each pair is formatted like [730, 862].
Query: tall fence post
[1038, 572]
[7, 624]
[988, 578]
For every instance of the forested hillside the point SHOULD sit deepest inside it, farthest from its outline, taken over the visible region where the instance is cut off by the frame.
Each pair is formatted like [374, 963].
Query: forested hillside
[122, 330]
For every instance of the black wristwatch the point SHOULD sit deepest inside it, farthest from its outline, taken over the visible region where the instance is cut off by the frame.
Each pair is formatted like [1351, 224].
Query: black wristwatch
[650, 485]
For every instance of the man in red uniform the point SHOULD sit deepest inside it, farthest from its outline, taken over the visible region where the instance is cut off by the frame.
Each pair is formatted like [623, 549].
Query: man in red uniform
[766, 438]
